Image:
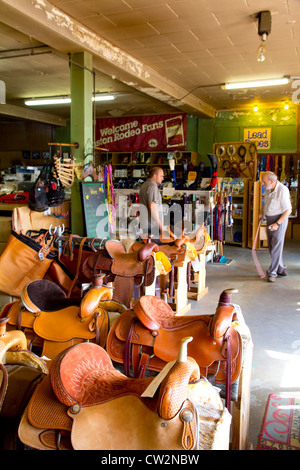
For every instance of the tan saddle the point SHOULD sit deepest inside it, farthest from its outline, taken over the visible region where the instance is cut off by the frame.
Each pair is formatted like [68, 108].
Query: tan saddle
[124, 269]
[148, 337]
[52, 322]
[86, 404]
[20, 372]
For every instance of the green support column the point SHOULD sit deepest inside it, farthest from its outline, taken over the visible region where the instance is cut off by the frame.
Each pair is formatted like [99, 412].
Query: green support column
[81, 126]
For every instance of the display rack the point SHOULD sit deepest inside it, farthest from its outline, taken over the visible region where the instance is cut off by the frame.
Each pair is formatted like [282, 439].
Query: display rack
[135, 165]
[255, 205]
[237, 189]
[237, 159]
[201, 200]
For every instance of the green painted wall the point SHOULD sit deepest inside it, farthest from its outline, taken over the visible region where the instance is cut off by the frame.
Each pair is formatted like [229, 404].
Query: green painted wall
[229, 126]
[205, 139]
[192, 133]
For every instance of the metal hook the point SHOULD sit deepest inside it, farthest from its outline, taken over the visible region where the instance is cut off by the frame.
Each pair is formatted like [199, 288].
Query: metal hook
[50, 230]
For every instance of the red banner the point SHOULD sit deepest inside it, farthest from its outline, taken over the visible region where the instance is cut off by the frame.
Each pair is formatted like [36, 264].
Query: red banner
[142, 133]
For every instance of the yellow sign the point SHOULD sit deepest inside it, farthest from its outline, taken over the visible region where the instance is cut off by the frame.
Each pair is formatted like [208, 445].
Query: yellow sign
[261, 135]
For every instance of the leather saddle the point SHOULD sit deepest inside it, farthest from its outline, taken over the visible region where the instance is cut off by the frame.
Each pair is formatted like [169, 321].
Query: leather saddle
[148, 337]
[52, 322]
[122, 268]
[86, 404]
[20, 372]
[177, 250]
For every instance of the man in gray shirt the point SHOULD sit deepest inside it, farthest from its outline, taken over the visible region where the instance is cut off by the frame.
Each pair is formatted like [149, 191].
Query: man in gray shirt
[277, 208]
[151, 213]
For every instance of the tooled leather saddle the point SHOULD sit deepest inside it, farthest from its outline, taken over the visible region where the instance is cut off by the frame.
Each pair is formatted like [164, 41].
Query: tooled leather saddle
[148, 336]
[86, 404]
[124, 269]
[52, 322]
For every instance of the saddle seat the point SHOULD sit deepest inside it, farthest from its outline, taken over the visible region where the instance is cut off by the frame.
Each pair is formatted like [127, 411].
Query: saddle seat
[172, 251]
[86, 404]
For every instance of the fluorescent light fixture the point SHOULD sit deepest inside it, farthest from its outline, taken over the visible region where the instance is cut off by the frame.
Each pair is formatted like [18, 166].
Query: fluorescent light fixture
[103, 98]
[258, 83]
[63, 100]
[45, 101]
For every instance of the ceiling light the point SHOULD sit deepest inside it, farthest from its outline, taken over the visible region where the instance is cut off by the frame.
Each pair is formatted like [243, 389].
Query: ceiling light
[50, 100]
[261, 52]
[264, 29]
[257, 83]
[103, 98]
[63, 100]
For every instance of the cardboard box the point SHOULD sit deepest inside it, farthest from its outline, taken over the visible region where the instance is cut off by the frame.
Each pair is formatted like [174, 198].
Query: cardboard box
[263, 233]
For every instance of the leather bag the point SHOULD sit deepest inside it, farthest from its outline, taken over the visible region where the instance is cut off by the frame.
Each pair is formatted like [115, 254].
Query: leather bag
[47, 190]
[23, 260]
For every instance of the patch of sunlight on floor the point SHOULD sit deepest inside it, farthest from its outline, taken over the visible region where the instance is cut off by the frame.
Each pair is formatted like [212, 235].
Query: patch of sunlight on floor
[288, 367]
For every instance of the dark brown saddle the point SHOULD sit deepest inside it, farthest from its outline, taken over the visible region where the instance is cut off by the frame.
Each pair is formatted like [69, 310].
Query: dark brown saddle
[52, 322]
[123, 269]
[86, 404]
[148, 337]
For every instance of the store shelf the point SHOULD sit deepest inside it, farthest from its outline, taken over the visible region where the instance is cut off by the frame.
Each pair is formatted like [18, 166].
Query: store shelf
[130, 165]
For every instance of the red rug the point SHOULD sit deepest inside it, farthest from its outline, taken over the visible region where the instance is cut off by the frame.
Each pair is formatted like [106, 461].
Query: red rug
[281, 425]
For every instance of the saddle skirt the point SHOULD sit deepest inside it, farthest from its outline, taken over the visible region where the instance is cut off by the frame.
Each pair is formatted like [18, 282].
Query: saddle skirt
[86, 404]
[149, 336]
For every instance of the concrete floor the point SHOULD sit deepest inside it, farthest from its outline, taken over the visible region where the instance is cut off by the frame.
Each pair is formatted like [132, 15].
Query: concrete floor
[272, 313]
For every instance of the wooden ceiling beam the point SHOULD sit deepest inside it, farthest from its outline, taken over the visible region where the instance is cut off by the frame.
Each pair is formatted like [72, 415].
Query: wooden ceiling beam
[31, 115]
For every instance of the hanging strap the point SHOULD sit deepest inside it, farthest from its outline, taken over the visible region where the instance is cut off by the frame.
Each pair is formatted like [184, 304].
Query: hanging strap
[254, 255]
[77, 267]
[228, 374]
[282, 176]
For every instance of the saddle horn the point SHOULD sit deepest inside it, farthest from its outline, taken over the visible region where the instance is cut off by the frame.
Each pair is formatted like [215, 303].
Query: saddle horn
[225, 297]
[220, 319]
[173, 389]
[182, 353]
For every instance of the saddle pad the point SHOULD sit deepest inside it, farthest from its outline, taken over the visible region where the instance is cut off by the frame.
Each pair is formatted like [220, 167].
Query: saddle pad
[129, 425]
[63, 325]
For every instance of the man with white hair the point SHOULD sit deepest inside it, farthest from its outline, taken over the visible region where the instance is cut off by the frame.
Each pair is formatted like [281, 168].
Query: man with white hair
[277, 208]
